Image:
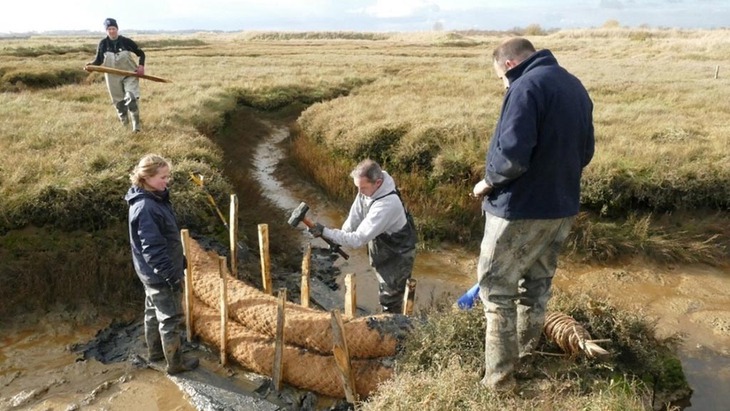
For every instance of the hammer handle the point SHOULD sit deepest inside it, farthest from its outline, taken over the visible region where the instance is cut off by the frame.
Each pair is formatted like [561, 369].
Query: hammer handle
[333, 246]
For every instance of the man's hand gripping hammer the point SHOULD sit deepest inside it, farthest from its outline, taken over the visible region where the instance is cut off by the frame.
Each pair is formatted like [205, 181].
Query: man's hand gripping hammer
[299, 215]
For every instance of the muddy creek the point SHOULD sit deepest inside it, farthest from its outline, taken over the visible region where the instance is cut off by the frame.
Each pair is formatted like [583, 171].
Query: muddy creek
[692, 301]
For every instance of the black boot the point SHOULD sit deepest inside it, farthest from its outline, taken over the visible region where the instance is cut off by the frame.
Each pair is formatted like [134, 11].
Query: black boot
[154, 343]
[185, 364]
[175, 361]
[155, 354]
[121, 108]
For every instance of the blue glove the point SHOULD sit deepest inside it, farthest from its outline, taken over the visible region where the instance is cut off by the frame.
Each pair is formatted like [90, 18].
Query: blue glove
[175, 284]
[316, 230]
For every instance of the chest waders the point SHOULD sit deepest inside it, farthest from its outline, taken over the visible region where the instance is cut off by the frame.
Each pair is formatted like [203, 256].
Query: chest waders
[123, 90]
[392, 257]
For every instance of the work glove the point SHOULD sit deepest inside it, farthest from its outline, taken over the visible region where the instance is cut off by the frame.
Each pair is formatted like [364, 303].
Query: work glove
[140, 70]
[316, 230]
[481, 189]
[175, 284]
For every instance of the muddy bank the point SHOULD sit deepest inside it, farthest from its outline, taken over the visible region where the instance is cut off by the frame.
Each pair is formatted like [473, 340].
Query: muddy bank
[39, 370]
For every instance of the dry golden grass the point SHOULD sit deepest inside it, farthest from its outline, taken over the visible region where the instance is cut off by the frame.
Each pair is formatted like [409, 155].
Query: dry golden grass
[423, 104]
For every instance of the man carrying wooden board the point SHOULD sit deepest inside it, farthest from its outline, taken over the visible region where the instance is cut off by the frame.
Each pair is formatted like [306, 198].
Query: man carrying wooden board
[115, 51]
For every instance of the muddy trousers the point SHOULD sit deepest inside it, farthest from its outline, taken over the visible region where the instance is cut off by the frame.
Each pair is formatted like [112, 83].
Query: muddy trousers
[163, 316]
[392, 278]
[517, 263]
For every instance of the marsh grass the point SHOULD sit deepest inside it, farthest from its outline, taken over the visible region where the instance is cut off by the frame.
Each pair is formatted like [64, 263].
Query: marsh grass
[423, 104]
[442, 364]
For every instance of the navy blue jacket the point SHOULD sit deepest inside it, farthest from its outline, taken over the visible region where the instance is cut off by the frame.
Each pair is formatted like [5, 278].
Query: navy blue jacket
[543, 140]
[157, 250]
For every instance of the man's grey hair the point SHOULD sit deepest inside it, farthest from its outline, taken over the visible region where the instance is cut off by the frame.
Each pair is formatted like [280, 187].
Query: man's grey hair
[516, 48]
[369, 169]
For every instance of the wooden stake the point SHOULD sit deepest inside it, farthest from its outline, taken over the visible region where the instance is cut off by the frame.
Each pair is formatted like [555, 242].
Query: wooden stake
[185, 238]
[265, 262]
[350, 296]
[233, 232]
[278, 373]
[717, 72]
[306, 262]
[409, 297]
[342, 357]
[224, 309]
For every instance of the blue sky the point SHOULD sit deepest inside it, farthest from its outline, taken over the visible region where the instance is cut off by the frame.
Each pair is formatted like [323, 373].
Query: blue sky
[358, 15]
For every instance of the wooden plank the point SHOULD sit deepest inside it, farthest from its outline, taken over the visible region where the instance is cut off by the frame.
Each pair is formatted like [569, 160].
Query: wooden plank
[327, 299]
[342, 357]
[278, 368]
[350, 295]
[265, 261]
[224, 309]
[233, 234]
[117, 72]
[185, 239]
[306, 267]
[409, 297]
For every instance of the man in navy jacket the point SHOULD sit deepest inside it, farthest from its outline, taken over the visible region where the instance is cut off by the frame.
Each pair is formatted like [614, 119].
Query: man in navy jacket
[531, 195]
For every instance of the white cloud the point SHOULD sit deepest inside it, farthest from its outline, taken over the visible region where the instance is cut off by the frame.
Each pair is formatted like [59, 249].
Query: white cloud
[387, 9]
[358, 15]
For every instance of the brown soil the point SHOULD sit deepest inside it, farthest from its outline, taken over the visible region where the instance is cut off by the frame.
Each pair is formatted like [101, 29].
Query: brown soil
[691, 300]
[40, 372]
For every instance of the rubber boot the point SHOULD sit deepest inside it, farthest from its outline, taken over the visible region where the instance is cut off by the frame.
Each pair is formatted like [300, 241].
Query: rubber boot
[121, 108]
[175, 361]
[154, 352]
[135, 122]
[133, 108]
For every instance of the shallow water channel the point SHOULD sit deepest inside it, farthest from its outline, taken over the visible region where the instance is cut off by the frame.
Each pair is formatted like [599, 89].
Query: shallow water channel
[691, 300]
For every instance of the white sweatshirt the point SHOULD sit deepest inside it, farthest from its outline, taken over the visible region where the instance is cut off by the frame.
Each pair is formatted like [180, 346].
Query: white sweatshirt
[362, 225]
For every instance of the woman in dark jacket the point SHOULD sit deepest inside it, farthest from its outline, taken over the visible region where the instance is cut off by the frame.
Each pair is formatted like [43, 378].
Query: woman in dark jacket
[158, 260]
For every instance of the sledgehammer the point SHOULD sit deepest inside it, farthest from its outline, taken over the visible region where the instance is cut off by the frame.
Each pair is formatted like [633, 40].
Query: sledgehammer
[299, 215]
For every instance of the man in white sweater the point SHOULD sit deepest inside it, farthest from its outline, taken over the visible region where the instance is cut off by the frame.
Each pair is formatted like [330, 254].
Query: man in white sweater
[379, 219]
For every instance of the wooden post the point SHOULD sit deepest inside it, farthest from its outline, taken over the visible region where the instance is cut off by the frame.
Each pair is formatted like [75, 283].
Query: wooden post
[350, 296]
[717, 72]
[409, 297]
[185, 238]
[306, 262]
[224, 308]
[233, 232]
[265, 262]
[278, 373]
[342, 357]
